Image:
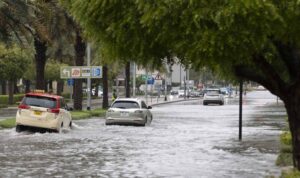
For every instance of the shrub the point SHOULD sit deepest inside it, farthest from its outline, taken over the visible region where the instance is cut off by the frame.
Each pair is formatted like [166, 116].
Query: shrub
[293, 173]
[286, 138]
[8, 123]
[4, 99]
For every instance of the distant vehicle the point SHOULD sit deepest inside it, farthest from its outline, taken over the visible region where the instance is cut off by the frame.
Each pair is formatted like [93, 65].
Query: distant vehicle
[130, 111]
[195, 93]
[225, 91]
[213, 96]
[100, 92]
[174, 92]
[181, 93]
[42, 110]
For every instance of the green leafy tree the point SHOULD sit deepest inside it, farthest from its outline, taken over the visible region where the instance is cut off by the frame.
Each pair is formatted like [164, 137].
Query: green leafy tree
[250, 39]
[12, 66]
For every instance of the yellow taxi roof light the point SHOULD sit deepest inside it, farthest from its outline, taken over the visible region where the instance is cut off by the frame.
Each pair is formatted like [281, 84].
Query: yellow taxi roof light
[39, 91]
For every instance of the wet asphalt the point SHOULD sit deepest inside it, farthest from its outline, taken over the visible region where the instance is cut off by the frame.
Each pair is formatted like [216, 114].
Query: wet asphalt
[185, 139]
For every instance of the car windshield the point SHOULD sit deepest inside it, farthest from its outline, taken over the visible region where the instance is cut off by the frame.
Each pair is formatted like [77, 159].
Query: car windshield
[39, 101]
[125, 104]
[213, 92]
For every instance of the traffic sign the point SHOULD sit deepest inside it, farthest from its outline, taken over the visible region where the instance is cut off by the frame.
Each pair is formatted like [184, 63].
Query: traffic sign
[70, 82]
[97, 72]
[80, 72]
[150, 81]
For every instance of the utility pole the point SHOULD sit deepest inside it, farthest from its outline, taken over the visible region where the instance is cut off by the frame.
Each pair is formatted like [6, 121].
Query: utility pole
[146, 84]
[134, 80]
[241, 110]
[89, 78]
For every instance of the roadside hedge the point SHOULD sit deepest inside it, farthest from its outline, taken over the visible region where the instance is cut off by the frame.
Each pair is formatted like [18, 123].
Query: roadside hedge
[4, 99]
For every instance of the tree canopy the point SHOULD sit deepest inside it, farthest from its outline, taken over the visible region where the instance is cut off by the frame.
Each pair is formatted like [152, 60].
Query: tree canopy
[224, 35]
[251, 39]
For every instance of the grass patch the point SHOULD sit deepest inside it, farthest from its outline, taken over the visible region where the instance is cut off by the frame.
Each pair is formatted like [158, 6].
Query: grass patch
[291, 173]
[8, 123]
[284, 159]
[76, 115]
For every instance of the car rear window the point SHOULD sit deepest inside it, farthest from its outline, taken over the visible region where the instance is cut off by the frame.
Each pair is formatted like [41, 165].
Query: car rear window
[213, 92]
[40, 101]
[125, 104]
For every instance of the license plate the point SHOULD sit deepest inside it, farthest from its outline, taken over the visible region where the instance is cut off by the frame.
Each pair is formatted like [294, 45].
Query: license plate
[124, 114]
[38, 113]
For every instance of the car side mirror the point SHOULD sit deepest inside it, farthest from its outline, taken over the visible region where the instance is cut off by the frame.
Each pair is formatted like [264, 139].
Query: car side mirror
[149, 107]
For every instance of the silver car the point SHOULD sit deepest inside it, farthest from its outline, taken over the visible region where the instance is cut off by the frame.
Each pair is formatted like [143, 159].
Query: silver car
[213, 96]
[130, 111]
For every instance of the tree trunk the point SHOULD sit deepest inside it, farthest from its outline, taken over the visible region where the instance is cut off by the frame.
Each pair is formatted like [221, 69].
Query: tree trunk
[292, 105]
[80, 48]
[60, 87]
[16, 89]
[40, 61]
[10, 92]
[3, 85]
[127, 84]
[50, 82]
[105, 87]
[27, 86]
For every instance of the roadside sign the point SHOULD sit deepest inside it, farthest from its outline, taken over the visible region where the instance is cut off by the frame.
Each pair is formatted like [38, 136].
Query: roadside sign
[65, 72]
[70, 82]
[158, 77]
[157, 82]
[85, 71]
[96, 72]
[150, 81]
[75, 72]
[80, 72]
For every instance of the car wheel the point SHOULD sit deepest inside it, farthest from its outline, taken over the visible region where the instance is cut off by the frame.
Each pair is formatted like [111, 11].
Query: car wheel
[60, 129]
[19, 128]
[70, 125]
[222, 103]
[204, 103]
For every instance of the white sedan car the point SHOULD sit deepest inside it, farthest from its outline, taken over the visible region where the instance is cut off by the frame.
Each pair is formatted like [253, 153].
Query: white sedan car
[130, 111]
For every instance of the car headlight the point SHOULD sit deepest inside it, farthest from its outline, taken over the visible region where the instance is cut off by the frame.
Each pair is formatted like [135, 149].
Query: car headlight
[110, 110]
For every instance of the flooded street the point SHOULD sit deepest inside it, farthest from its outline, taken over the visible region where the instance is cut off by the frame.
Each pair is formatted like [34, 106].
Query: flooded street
[185, 139]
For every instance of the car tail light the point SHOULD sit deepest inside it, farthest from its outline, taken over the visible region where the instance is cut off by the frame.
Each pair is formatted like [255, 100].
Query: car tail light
[24, 106]
[55, 111]
[138, 112]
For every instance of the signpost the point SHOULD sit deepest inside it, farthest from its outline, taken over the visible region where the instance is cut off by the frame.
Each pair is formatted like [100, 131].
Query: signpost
[70, 84]
[76, 72]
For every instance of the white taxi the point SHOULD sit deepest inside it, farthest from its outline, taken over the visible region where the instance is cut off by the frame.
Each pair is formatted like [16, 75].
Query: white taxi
[43, 110]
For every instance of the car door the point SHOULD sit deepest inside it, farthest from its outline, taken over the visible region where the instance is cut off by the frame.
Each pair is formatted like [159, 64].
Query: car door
[65, 114]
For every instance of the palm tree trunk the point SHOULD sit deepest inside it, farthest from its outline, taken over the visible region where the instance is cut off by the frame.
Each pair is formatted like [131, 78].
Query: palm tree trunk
[40, 60]
[105, 87]
[80, 47]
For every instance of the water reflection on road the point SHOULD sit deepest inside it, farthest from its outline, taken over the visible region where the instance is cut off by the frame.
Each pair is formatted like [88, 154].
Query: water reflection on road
[184, 140]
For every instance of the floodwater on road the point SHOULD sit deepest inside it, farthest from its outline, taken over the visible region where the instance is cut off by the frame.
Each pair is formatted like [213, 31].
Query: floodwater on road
[185, 139]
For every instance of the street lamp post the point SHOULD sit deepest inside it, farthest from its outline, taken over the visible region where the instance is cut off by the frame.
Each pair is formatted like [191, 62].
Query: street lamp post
[241, 110]
[88, 79]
